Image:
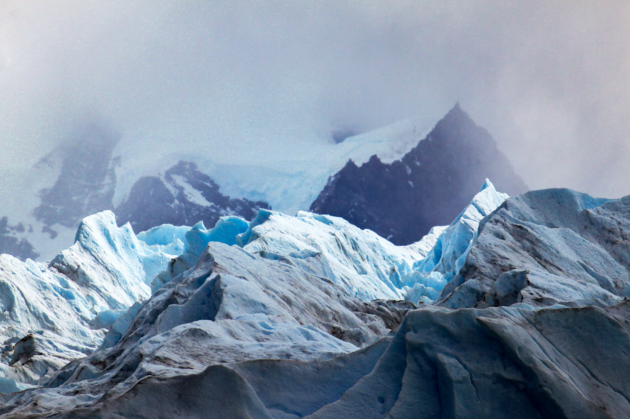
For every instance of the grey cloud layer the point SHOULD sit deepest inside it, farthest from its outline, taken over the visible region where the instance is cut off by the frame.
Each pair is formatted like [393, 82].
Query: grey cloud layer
[549, 79]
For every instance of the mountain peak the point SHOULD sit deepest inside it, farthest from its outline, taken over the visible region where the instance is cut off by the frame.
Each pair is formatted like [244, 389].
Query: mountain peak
[458, 114]
[428, 186]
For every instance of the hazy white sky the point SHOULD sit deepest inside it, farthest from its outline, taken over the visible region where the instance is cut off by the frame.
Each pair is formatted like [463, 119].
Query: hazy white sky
[549, 79]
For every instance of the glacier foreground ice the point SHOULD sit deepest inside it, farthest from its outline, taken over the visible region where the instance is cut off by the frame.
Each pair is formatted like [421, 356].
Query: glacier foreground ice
[242, 336]
[54, 313]
[271, 327]
[547, 247]
[232, 306]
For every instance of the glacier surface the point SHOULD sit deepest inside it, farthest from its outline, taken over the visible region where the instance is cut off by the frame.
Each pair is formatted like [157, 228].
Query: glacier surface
[54, 313]
[553, 246]
[364, 264]
[99, 282]
[268, 326]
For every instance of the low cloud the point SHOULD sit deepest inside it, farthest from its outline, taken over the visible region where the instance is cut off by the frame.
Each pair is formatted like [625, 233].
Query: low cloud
[549, 80]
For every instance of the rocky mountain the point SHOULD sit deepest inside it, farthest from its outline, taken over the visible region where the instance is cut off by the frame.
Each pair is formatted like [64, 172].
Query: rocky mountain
[181, 196]
[428, 186]
[86, 181]
[12, 245]
[79, 179]
[95, 170]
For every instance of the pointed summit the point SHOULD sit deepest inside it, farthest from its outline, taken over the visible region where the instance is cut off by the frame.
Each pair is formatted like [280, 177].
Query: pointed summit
[456, 111]
[487, 184]
[429, 186]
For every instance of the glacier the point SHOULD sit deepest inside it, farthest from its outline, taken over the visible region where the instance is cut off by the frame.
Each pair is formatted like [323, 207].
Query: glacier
[517, 309]
[265, 320]
[548, 247]
[56, 312]
[100, 282]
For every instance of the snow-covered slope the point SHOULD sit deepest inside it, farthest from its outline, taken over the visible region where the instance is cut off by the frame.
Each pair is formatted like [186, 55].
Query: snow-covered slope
[428, 186]
[290, 182]
[54, 313]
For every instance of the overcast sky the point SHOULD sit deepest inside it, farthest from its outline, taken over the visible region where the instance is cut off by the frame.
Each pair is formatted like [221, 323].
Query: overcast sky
[549, 79]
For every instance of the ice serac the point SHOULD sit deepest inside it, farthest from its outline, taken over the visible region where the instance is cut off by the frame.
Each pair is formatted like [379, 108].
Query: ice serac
[360, 261]
[182, 196]
[428, 186]
[450, 249]
[553, 246]
[54, 313]
[232, 306]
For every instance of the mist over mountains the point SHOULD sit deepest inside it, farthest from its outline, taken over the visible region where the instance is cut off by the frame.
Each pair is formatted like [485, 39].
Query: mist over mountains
[252, 81]
[430, 178]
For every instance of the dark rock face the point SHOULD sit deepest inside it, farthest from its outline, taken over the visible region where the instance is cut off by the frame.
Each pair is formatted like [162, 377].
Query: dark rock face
[184, 196]
[87, 180]
[85, 186]
[429, 186]
[20, 248]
